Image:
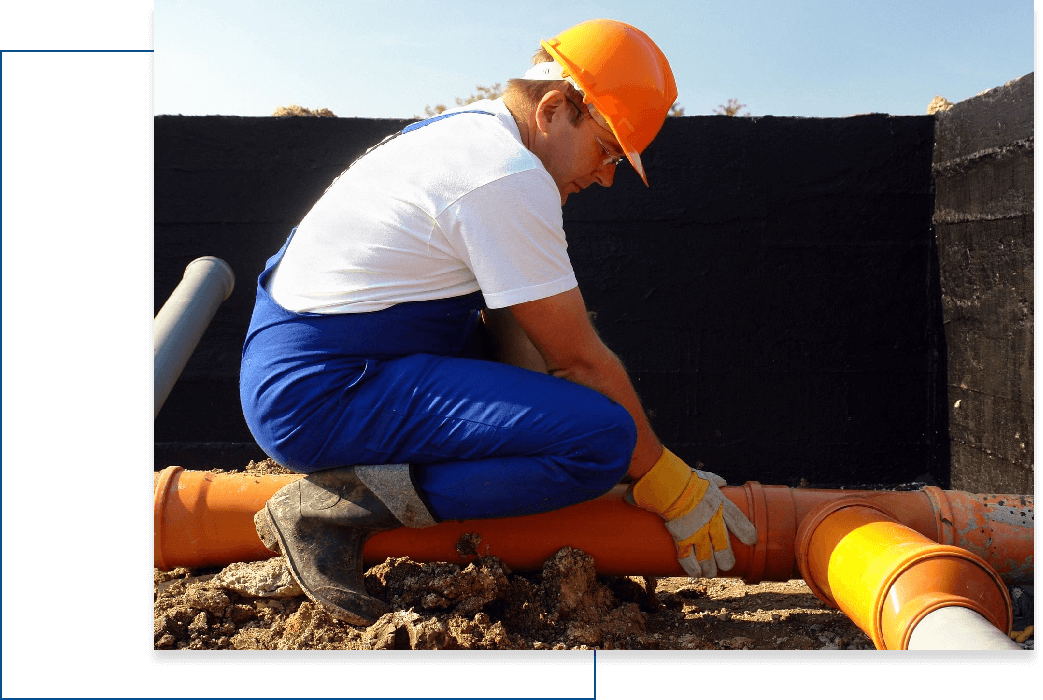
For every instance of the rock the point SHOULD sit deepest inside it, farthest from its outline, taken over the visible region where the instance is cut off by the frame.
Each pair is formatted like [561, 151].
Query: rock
[198, 625]
[202, 597]
[404, 584]
[570, 587]
[259, 579]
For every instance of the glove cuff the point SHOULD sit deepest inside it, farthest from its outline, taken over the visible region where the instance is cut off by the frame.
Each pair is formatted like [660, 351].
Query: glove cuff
[664, 488]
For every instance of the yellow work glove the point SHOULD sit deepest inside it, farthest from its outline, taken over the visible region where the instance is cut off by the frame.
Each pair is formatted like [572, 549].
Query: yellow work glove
[696, 512]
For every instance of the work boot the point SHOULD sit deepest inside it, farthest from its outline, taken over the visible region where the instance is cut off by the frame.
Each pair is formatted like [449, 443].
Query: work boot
[320, 523]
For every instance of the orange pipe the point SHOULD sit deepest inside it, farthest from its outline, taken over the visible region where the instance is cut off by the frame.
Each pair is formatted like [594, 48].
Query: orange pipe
[887, 577]
[206, 519]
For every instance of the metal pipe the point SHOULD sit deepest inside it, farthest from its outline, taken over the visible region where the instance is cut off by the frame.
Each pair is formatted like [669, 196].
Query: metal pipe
[956, 628]
[180, 324]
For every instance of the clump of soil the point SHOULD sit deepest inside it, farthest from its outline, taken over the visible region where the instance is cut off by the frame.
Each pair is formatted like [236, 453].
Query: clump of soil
[257, 605]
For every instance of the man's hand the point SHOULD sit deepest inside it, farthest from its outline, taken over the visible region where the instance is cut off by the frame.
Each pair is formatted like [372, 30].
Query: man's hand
[697, 514]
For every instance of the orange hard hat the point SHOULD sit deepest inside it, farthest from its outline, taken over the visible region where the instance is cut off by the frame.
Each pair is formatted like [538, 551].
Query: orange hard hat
[623, 74]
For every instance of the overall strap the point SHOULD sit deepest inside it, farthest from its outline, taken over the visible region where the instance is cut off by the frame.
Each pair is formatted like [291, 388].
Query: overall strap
[432, 120]
[418, 125]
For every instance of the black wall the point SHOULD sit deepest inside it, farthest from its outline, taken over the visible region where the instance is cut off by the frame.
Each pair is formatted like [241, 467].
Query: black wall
[774, 294]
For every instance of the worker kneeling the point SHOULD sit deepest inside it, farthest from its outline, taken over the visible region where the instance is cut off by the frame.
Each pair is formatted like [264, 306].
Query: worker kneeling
[424, 318]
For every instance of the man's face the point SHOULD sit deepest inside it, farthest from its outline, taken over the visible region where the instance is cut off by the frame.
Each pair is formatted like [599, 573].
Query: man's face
[576, 155]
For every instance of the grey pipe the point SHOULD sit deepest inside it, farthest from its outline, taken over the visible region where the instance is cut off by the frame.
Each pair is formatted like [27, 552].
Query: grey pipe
[180, 324]
[955, 628]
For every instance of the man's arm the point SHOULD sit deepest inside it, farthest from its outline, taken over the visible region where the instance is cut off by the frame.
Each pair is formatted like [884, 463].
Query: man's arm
[560, 330]
[513, 346]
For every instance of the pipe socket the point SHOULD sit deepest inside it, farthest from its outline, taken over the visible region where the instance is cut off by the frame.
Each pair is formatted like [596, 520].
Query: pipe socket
[179, 325]
[207, 519]
[856, 556]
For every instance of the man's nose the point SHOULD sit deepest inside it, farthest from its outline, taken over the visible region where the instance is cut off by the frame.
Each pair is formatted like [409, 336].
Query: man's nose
[606, 174]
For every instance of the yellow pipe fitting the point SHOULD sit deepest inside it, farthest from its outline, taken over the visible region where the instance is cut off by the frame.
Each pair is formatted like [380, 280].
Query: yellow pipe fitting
[886, 577]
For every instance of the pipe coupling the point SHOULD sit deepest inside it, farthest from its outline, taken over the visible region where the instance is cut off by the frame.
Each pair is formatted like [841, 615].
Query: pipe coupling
[857, 556]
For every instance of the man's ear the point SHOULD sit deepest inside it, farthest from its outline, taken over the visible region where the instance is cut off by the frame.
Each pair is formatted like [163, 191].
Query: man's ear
[552, 106]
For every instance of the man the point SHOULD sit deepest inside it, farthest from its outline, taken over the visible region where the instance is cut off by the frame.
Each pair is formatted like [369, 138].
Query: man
[367, 347]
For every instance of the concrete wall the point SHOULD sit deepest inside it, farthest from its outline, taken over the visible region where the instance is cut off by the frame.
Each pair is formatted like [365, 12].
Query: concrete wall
[775, 293]
[983, 220]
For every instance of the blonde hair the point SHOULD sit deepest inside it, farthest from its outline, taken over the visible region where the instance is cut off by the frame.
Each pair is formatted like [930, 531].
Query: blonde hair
[528, 93]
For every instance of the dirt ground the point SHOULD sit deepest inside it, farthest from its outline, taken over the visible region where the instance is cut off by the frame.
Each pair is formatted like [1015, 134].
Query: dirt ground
[485, 605]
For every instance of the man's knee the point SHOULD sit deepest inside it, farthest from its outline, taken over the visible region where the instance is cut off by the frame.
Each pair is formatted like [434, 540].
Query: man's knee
[613, 449]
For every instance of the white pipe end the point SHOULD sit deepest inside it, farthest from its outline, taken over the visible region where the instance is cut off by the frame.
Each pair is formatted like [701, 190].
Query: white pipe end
[214, 266]
[956, 628]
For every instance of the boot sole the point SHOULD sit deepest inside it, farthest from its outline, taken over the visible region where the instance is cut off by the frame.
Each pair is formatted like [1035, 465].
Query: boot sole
[264, 518]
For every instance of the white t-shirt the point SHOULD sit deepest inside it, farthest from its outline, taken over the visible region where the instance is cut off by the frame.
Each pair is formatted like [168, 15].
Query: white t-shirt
[450, 208]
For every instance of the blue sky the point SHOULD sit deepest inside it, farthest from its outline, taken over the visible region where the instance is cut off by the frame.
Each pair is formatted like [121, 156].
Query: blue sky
[826, 58]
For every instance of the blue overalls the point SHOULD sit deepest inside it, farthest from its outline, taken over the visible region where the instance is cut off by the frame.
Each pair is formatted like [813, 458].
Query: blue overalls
[407, 385]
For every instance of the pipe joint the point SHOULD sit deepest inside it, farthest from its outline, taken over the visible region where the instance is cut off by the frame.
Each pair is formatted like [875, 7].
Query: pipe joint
[996, 527]
[857, 556]
[773, 510]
